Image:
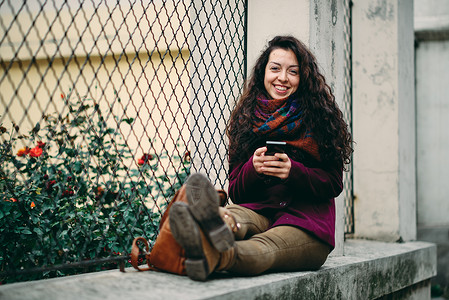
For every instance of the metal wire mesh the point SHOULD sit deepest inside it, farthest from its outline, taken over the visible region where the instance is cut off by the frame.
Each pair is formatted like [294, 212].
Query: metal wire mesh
[347, 113]
[105, 106]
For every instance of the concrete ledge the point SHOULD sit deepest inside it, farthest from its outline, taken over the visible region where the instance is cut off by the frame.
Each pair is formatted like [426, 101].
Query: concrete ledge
[369, 270]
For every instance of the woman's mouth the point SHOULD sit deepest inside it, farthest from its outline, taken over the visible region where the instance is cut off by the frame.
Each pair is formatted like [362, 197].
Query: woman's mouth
[280, 88]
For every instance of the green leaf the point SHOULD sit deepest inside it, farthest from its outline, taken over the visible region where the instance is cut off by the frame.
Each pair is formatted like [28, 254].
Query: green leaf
[70, 152]
[128, 121]
[38, 231]
[78, 120]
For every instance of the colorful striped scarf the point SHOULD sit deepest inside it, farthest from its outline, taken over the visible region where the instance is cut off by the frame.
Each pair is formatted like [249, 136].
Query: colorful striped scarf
[281, 120]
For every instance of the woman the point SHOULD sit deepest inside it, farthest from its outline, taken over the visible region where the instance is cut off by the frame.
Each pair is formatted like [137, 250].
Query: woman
[283, 216]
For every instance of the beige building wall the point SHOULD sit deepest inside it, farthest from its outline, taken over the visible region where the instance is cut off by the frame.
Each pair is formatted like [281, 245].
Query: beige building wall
[105, 55]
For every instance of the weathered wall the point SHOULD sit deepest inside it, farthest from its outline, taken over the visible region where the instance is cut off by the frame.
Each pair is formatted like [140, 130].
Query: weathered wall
[328, 41]
[432, 78]
[267, 18]
[384, 120]
[432, 69]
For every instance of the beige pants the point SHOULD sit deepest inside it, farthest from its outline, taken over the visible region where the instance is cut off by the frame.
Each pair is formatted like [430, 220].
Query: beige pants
[259, 249]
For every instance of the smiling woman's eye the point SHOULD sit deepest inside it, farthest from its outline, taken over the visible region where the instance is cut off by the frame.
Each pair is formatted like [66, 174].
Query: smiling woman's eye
[274, 68]
[294, 71]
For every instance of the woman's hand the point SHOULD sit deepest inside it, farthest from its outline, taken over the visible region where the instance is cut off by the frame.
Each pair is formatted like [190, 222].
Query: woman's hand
[278, 165]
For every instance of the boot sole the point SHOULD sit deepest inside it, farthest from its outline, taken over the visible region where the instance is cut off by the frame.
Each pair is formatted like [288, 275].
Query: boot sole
[203, 202]
[187, 234]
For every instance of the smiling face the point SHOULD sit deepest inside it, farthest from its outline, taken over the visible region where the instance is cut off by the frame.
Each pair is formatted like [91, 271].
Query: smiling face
[281, 74]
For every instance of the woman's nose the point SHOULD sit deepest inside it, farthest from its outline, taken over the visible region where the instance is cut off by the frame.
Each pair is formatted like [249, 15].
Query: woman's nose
[282, 76]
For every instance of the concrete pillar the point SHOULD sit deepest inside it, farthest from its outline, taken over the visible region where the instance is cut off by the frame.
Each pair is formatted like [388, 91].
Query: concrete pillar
[384, 120]
[320, 25]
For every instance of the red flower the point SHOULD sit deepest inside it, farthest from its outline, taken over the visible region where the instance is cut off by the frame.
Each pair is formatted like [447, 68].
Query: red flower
[99, 191]
[36, 152]
[187, 157]
[67, 193]
[32, 205]
[145, 159]
[50, 184]
[24, 151]
[40, 144]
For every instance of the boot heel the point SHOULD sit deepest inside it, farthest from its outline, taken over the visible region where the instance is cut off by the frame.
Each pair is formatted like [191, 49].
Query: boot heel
[197, 269]
[203, 205]
[221, 238]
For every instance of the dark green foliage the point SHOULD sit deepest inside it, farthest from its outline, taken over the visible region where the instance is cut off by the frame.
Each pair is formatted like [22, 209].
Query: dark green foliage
[77, 193]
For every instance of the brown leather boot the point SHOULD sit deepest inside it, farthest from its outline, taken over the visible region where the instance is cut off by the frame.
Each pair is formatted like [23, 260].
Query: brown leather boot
[204, 202]
[201, 257]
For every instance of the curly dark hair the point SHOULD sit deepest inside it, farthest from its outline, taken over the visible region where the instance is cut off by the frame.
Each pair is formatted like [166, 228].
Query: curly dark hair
[321, 112]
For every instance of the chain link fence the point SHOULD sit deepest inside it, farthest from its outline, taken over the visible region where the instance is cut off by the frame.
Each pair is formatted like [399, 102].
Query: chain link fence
[106, 106]
[105, 109]
[347, 113]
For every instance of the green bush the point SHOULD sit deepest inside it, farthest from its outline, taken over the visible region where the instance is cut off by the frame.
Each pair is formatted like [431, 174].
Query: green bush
[78, 193]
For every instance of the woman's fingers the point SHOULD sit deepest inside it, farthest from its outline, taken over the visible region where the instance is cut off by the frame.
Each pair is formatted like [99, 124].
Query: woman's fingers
[260, 151]
[258, 159]
[277, 166]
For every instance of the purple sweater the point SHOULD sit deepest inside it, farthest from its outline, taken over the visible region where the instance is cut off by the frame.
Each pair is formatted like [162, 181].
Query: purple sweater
[304, 200]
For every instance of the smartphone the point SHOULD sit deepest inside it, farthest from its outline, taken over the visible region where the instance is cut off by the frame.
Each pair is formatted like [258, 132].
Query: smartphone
[275, 147]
